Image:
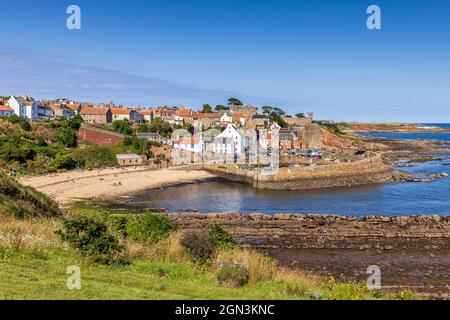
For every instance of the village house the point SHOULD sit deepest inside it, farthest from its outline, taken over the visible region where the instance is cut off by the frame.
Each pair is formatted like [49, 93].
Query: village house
[260, 120]
[75, 107]
[152, 136]
[237, 118]
[96, 115]
[207, 119]
[6, 111]
[45, 112]
[19, 105]
[147, 115]
[126, 114]
[230, 141]
[61, 110]
[288, 139]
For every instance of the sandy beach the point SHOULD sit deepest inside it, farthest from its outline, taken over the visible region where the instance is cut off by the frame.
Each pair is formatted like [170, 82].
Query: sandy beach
[106, 183]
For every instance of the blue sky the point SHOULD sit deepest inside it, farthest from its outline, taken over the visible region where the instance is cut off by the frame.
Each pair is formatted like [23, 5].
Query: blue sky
[298, 55]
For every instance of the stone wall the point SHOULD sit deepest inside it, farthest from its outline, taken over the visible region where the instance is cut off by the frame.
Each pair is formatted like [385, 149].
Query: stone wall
[99, 136]
[365, 171]
[296, 231]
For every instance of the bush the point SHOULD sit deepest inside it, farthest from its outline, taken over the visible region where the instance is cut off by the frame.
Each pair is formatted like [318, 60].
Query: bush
[21, 121]
[149, 228]
[75, 122]
[90, 236]
[93, 157]
[122, 127]
[198, 246]
[67, 136]
[63, 161]
[118, 224]
[220, 238]
[233, 274]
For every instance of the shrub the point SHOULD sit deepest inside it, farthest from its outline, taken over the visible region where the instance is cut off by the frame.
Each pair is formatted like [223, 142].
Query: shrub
[63, 161]
[233, 274]
[118, 224]
[67, 136]
[220, 238]
[93, 157]
[149, 228]
[75, 122]
[198, 246]
[123, 127]
[90, 236]
[21, 121]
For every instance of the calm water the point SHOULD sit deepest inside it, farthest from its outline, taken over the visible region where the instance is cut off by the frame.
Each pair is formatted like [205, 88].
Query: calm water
[387, 199]
[413, 136]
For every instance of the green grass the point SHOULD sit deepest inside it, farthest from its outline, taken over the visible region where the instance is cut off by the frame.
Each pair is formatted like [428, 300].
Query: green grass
[43, 276]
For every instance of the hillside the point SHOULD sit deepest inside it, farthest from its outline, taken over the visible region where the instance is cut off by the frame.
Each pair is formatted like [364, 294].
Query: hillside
[36, 148]
[24, 202]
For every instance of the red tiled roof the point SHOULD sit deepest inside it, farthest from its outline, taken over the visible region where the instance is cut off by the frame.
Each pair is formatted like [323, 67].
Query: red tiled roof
[73, 106]
[206, 115]
[120, 111]
[145, 112]
[5, 108]
[183, 112]
[94, 111]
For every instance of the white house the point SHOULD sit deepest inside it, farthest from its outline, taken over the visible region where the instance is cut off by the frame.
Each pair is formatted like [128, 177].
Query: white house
[226, 118]
[126, 114]
[18, 107]
[230, 141]
[28, 107]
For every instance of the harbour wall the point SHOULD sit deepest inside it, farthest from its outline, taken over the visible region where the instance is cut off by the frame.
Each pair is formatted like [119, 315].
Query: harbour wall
[365, 171]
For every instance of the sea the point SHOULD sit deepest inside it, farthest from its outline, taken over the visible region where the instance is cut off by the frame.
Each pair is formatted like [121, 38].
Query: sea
[390, 199]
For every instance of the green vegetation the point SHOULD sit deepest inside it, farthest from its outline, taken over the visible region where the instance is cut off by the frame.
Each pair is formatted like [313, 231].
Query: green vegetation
[149, 228]
[122, 127]
[335, 128]
[220, 107]
[24, 202]
[234, 101]
[33, 263]
[206, 108]
[52, 146]
[158, 126]
[219, 238]
[276, 117]
[233, 274]
[90, 236]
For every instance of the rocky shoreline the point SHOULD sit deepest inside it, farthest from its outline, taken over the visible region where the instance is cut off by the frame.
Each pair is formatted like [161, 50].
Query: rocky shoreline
[413, 252]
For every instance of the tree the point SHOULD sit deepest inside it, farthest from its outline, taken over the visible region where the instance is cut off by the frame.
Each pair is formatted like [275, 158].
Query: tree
[221, 107]
[267, 109]
[300, 115]
[123, 127]
[75, 122]
[206, 108]
[279, 111]
[276, 117]
[67, 136]
[234, 101]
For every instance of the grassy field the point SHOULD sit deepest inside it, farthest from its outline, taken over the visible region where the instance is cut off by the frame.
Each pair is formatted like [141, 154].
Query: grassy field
[138, 255]
[33, 265]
